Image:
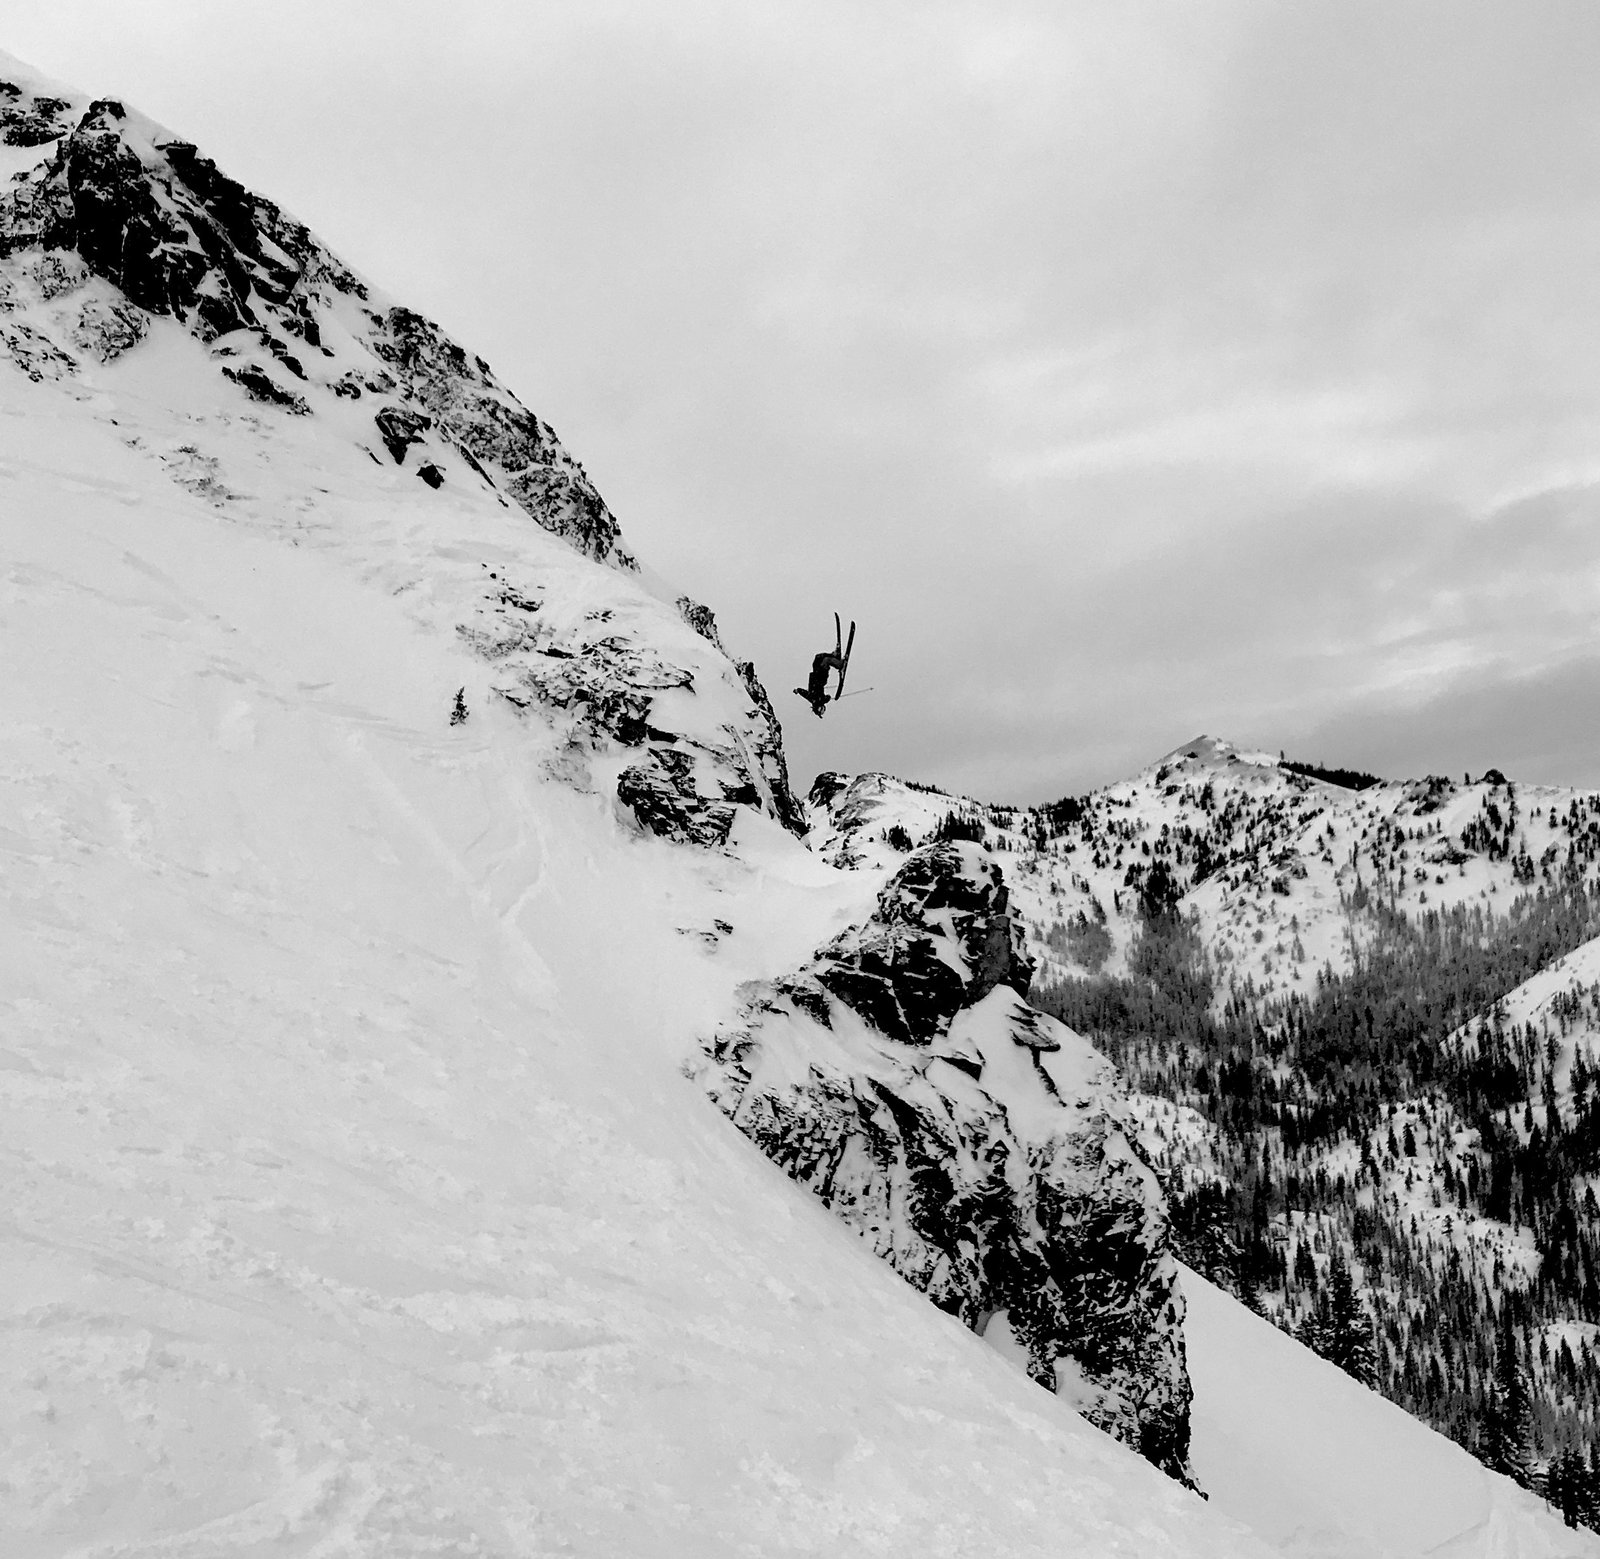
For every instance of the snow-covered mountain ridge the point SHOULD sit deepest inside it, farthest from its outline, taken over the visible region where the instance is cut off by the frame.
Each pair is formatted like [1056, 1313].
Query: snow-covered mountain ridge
[1269, 859]
[266, 350]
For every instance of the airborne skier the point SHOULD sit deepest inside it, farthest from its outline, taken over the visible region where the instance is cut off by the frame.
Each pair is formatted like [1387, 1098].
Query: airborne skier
[837, 659]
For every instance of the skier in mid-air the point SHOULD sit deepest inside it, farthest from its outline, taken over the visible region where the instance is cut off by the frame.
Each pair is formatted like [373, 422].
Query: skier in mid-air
[837, 659]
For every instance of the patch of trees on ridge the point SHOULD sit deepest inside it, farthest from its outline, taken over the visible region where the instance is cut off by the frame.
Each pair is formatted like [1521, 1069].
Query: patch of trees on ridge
[1346, 779]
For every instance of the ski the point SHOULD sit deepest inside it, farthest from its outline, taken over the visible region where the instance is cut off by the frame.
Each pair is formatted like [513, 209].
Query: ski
[850, 644]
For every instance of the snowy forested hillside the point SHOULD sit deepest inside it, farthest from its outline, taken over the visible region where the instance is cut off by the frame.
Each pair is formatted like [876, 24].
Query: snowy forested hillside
[1315, 981]
[386, 859]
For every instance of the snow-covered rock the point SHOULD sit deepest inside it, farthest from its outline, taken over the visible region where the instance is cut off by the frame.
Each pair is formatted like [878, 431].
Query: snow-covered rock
[112, 225]
[1274, 862]
[976, 1145]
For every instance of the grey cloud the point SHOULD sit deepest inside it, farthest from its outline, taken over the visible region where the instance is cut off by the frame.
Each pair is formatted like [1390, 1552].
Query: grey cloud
[1537, 728]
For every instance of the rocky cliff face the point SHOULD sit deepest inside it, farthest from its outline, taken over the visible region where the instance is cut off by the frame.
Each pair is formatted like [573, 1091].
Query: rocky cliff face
[112, 226]
[975, 1144]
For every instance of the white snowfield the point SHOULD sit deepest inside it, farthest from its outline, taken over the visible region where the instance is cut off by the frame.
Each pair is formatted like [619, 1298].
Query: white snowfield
[355, 1203]
[1325, 1469]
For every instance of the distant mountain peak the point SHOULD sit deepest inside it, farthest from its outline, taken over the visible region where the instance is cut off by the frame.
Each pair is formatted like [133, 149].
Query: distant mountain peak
[1214, 752]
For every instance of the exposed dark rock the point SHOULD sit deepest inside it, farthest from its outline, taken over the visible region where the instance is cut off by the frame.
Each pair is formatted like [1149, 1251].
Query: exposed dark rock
[898, 972]
[259, 385]
[431, 474]
[178, 237]
[662, 794]
[977, 1145]
[107, 329]
[766, 749]
[30, 121]
[701, 619]
[488, 424]
[158, 255]
[400, 428]
[35, 355]
[824, 788]
[58, 274]
[607, 683]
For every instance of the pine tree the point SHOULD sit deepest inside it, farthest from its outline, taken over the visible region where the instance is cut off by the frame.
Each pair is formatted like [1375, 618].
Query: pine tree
[458, 712]
[1565, 1486]
[1305, 1268]
[1507, 1442]
[1348, 1332]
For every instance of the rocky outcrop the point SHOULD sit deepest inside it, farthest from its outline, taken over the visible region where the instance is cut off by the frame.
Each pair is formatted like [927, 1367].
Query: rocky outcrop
[706, 738]
[975, 1144]
[177, 237]
[31, 119]
[120, 224]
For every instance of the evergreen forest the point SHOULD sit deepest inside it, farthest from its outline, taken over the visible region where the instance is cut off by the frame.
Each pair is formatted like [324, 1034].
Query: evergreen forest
[1385, 1165]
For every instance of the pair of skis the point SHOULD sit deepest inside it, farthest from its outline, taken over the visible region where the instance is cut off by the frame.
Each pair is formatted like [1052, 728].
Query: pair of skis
[844, 659]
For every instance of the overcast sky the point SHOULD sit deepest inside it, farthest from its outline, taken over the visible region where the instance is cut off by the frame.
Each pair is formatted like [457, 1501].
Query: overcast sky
[1127, 371]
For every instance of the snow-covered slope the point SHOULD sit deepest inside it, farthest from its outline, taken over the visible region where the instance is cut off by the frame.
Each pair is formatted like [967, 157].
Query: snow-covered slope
[251, 367]
[355, 1201]
[1558, 1012]
[1322, 1467]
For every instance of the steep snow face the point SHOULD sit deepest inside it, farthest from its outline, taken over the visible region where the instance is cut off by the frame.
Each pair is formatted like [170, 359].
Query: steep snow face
[978, 1146]
[274, 380]
[357, 1202]
[1318, 1465]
